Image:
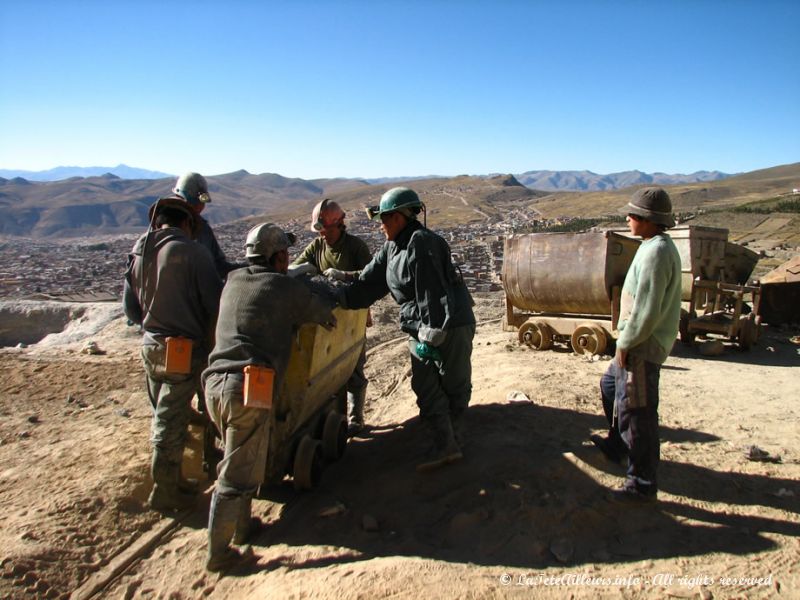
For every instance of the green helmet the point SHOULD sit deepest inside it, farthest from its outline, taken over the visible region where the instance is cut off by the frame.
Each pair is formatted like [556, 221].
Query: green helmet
[397, 199]
[193, 187]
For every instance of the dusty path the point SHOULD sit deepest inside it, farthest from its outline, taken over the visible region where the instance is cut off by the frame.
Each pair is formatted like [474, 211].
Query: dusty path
[527, 503]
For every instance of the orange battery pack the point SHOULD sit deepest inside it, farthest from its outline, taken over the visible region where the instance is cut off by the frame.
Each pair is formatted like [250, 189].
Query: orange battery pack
[258, 383]
[179, 356]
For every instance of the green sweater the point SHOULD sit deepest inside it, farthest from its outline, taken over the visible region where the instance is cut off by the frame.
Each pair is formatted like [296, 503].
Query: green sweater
[650, 306]
[349, 254]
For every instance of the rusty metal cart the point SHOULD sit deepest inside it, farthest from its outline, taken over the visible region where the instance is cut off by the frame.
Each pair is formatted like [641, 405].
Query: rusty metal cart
[565, 287]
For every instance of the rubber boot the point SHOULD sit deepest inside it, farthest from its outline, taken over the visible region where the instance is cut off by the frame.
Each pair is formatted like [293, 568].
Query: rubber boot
[445, 447]
[166, 494]
[457, 420]
[247, 526]
[223, 516]
[355, 411]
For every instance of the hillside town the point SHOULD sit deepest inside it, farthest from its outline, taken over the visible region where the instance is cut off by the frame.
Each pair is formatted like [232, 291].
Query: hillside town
[92, 269]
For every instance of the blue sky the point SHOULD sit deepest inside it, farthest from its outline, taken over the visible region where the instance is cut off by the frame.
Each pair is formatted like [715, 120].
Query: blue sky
[390, 88]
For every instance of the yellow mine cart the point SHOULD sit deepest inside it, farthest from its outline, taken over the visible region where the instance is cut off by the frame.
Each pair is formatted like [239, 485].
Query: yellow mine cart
[308, 423]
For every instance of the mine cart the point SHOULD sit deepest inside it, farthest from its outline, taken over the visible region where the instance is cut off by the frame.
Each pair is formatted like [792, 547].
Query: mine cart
[715, 272]
[719, 308]
[565, 287]
[702, 251]
[308, 425]
[739, 263]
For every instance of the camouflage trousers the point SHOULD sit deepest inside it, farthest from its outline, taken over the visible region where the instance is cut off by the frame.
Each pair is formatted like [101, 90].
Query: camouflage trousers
[170, 398]
[245, 433]
[444, 387]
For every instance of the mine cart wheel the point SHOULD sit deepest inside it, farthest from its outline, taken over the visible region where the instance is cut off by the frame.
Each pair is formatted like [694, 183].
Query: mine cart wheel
[307, 468]
[536, 334]
[588, 339]
[334, 436]
[748, 332]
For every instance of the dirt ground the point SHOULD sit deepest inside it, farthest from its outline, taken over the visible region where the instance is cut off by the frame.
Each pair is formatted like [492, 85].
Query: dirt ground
[525, 514]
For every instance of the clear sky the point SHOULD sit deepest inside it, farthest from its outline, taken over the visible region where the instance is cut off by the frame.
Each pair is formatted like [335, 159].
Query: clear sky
[393, 88]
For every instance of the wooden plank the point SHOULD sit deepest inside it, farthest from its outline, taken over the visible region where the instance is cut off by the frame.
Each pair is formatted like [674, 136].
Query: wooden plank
[143, 545]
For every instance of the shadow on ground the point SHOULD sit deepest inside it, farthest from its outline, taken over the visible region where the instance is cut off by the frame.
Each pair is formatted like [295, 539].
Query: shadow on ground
[527, 494]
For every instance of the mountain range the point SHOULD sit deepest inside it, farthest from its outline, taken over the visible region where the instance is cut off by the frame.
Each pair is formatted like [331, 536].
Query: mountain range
[59, 173]
[108, 204]
[549, 181]
[587, 181]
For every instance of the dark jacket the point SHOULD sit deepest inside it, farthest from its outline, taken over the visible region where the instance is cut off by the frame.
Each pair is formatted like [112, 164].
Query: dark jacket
[417, 270]
[171, 287]
[205, 237]
[259, 311]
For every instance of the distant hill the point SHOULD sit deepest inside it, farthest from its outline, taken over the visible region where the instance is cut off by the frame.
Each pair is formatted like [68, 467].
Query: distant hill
[108, 204]
[59, 173]
[551, 181]
[84, 206]
[686, 197]
[586, 181]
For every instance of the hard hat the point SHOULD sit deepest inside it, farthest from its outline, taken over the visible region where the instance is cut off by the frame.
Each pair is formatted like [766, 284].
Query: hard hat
[398, 198]
[325, 214]
[174, 202]
[193, 187]
[651, 203]
[266, 239]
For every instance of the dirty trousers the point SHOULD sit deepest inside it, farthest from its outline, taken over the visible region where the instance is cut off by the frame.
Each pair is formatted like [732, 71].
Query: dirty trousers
[170, 398]
[444, 387]
[633, 393]
[358, 380]
[245, 433]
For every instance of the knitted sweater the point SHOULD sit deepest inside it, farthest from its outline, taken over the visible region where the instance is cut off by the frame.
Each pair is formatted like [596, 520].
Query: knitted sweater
[171, 287]
[258, 313]
[650, 305]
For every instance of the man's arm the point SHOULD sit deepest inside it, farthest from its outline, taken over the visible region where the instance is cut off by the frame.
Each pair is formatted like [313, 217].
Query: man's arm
[307, 256]
[370, 285]
[431, 289]
[130, 302]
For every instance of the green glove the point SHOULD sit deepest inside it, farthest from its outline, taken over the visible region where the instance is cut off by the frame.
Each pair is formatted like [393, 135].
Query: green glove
[426, 352]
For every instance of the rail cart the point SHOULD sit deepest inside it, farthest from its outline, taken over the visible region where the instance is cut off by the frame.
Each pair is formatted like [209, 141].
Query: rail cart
[308, 423]
[718, 308]
[565, 287]
[714, 276]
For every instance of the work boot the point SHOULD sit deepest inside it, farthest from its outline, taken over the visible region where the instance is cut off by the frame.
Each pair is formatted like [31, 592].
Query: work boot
[613, 449]
[445, 448]
[247, 526]
[459, 428]
[631, 493]
[189, 485]
[355, 411]
[166, 494]
[223, 516]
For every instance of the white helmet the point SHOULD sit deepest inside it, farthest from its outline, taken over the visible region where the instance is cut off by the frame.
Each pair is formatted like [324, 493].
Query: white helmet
[326, 214]
[266, 239]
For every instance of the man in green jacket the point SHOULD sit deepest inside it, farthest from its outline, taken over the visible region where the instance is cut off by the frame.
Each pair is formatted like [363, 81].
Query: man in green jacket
[649, 314]
[416, 268]
[341, 256]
